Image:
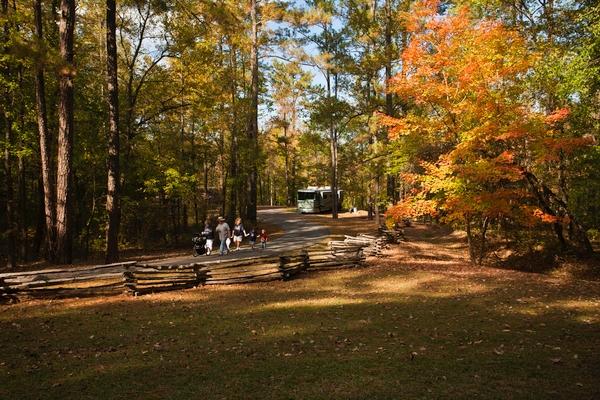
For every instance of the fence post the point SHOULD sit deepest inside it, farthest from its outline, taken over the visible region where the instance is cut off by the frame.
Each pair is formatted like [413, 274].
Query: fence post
[284, 274]
[305, 260]
[3, 289]
[129, 280]
[200, 275]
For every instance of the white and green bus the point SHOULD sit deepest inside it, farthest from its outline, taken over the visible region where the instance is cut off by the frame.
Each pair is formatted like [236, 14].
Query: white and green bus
[317, 199]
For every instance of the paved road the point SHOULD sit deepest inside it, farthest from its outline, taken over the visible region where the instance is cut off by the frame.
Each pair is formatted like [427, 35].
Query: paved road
[297, 232]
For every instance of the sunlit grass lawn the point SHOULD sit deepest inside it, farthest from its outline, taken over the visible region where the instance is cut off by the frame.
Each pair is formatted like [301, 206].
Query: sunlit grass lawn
[382, 332]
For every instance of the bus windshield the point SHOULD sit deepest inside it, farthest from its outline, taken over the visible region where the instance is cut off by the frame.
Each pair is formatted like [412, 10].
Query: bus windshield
[306, 195]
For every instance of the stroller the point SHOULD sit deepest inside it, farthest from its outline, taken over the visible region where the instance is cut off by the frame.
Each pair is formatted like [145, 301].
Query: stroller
[199, 241]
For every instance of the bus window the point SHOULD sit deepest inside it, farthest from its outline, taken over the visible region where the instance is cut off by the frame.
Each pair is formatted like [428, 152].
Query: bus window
[306, 195]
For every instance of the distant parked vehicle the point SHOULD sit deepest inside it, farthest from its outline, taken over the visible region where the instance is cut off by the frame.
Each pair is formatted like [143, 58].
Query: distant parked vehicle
[317, 199]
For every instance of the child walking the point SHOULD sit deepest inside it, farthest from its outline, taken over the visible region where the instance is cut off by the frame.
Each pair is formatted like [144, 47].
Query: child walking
[263, 239]
[252, 238]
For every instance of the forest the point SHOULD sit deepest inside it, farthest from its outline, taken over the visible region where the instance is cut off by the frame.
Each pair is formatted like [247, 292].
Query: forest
[125, 124]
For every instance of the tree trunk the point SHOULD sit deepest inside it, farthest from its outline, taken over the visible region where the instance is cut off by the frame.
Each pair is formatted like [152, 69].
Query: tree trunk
[10, 214]
[252, 132]
[293, 180]
[177, 218]
[552, 204]
[22, 236]
[40, 226]
[376, 202]
[563, 189]
[270, 189]
[22, 239]
[332, 152]
[389, 97]
[64, 178]
[482, 247]
[172, 206]
[206, 198]
[334, 173]
[113, 195]
[370, 202]
[223, 185]
[184, 217]
[231, 181]
[131, 91]
[11, 229]
[470, 240]
[288, 197]
[45, 139]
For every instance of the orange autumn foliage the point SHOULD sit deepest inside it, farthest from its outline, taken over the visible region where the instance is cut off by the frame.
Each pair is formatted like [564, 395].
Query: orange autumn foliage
[412, 208]
[463, 78]
[557, 116]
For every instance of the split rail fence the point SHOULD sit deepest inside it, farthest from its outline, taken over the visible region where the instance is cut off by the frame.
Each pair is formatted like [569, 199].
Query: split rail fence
[139, 278]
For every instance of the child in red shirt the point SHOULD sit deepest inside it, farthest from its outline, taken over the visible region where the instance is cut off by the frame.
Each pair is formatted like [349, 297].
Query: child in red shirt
[263, 239]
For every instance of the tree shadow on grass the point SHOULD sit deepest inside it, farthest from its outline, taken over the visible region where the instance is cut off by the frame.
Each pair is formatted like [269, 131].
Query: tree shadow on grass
[551, 262]
[536, 262]
[367, 333]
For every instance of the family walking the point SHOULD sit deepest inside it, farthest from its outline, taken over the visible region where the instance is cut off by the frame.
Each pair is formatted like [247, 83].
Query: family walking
[226, 235]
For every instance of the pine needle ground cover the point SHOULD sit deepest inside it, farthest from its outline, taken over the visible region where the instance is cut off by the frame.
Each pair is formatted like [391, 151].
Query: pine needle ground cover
[419, 324]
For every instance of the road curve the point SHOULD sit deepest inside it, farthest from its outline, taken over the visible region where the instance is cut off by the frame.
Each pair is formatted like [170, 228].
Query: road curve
[296, 232]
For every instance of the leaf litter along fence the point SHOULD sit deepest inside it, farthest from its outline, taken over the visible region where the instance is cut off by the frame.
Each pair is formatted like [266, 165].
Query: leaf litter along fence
[138, 278]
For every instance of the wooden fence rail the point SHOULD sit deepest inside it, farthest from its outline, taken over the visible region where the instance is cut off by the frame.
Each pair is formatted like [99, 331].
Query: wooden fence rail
[372, 246]
[142, 279]
[67, 282]
[139, 278]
